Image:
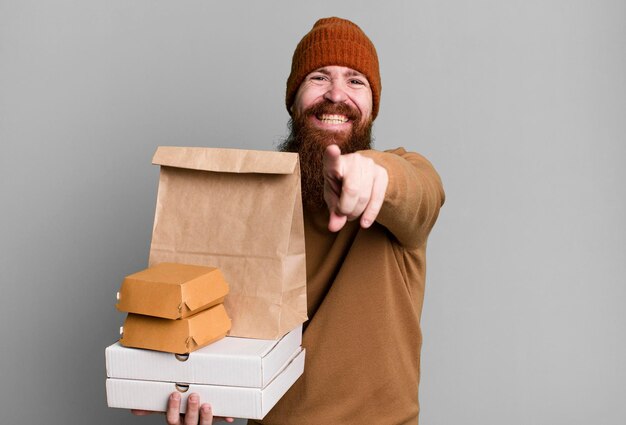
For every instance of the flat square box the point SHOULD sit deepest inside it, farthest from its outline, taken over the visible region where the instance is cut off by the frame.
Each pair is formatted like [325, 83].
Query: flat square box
[231, 361]
[240, 377]
[236, 402]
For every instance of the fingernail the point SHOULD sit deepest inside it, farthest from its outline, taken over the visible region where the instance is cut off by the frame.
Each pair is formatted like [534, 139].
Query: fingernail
[206, 409]
[175, 396]
[366, 222]
[193, 398]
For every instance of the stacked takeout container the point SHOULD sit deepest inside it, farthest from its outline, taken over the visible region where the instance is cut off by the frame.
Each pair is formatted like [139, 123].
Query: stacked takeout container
[172, 307]
[173, 339]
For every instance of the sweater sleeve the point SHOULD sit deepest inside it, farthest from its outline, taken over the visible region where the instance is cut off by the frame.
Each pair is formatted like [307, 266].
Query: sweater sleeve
[413, 198]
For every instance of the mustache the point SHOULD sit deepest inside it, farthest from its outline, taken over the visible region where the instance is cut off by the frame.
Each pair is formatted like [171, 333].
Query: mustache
[310, 143]
[330, 108]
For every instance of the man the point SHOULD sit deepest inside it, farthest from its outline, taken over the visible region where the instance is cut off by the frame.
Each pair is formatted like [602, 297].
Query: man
[367, 218]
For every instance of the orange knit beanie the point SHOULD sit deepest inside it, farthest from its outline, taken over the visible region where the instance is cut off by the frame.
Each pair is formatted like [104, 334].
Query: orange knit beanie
[334, 41]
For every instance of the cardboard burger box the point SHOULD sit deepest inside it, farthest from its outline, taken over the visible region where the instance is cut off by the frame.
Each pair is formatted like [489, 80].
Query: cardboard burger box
[240, 377]
[172, 290]
[176, 336]
[174, 307]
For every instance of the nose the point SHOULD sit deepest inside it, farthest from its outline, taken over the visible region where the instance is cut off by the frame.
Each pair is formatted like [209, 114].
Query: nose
[336, 93]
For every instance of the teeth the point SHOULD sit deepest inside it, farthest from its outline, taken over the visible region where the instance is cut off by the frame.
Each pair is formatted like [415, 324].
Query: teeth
[334, 119]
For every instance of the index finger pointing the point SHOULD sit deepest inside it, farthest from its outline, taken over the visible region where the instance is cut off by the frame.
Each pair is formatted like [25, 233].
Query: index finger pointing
[332, 160]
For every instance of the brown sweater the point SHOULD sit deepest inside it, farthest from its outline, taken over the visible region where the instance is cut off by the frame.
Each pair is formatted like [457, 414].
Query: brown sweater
[365, 291]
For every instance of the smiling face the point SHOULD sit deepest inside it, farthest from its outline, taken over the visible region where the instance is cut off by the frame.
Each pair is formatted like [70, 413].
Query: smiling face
[334, 98]
[332, 105]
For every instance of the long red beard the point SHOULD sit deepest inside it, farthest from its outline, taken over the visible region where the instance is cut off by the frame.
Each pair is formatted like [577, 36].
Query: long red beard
[310, 143]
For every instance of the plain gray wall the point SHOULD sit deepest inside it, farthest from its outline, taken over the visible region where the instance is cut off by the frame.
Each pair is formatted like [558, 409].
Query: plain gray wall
[520, 105]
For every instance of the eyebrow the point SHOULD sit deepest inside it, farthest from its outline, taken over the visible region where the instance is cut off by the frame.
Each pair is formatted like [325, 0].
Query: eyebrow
[353, 73]
[349, 73]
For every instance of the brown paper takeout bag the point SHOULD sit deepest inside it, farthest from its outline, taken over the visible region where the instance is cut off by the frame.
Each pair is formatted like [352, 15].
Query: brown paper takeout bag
[239, 211]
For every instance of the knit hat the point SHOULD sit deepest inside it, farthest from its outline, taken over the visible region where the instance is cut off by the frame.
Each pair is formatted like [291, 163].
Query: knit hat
[334, 41]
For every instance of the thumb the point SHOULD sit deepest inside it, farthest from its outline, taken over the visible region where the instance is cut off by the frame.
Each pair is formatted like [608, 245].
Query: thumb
[336, 221]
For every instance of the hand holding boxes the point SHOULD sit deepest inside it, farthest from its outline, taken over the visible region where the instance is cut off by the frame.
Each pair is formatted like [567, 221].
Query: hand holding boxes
[240, 377]
[177, 308]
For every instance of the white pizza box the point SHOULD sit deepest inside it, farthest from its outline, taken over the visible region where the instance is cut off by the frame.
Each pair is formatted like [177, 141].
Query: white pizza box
[231, 361]
[236, 402]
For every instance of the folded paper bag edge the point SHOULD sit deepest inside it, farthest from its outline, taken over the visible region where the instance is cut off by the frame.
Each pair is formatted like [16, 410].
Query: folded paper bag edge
[226, 160]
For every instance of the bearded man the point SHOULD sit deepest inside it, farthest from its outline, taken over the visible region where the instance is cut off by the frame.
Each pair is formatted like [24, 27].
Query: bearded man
[367, 217]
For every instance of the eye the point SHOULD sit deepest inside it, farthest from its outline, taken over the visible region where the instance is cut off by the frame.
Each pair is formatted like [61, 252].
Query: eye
[317, 77]
[357, 82]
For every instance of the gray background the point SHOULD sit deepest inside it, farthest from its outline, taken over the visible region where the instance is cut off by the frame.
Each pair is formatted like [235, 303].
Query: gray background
[519, 104]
